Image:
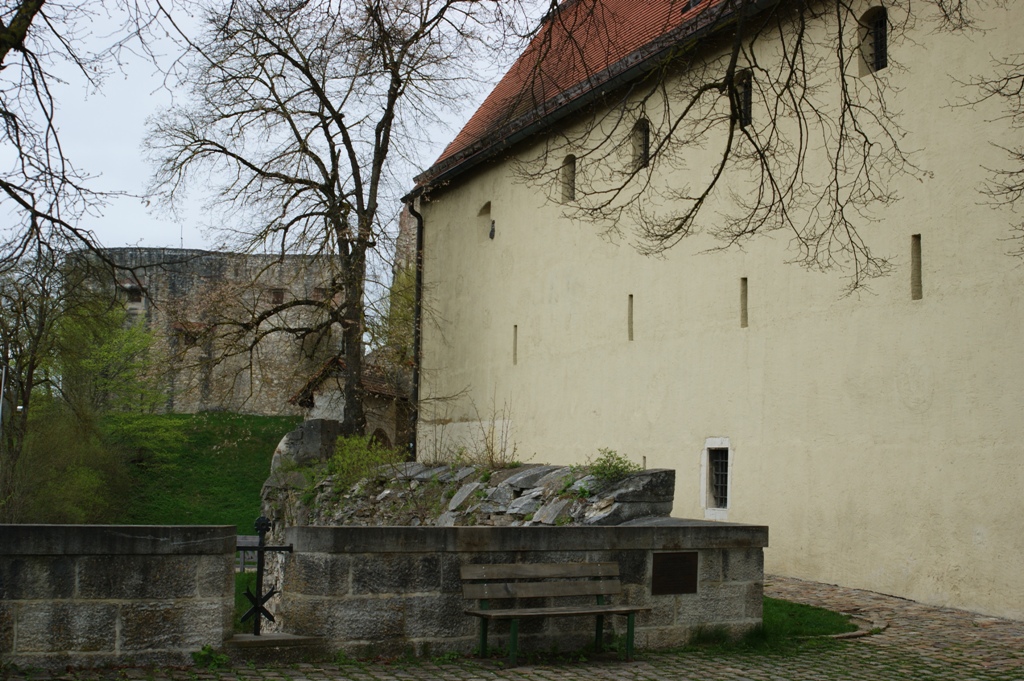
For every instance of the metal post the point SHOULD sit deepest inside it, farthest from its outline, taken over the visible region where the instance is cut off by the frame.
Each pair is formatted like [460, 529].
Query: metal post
[259, 599]
[262, 527]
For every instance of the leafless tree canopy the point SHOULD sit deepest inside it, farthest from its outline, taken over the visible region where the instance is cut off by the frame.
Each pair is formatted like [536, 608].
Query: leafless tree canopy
[44, 194]
[753, 98]
[296, 110]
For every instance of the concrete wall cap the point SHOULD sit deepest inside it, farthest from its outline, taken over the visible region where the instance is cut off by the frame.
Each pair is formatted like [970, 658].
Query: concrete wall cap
[56, 540]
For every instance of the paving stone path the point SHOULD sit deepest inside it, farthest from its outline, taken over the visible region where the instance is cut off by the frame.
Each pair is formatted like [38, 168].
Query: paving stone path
[920, 643]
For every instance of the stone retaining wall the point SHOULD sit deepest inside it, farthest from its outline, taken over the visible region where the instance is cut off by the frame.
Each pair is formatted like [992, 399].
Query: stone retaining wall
[396, 590]
[92, 595]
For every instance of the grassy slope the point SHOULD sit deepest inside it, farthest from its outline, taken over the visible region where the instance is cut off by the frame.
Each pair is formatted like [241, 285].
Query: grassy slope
[214, 474]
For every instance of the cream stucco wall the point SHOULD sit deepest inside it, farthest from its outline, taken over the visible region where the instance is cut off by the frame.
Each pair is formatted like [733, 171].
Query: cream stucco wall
[881, 438]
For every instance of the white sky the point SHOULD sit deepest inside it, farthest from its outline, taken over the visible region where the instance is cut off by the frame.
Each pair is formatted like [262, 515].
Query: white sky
[102, 133]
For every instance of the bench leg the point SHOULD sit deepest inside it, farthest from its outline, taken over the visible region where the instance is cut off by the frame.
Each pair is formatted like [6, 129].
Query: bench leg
[629, 636]
[599, 635]
[483, 637]
[513, 643]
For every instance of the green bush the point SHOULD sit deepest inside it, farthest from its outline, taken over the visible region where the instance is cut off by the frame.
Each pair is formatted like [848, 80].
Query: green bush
[357, 457]
[611, 466]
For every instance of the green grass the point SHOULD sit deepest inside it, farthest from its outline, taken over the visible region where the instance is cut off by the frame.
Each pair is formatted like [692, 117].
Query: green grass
[242, 604]
[211, 476]
[790, 620]
[785, 627]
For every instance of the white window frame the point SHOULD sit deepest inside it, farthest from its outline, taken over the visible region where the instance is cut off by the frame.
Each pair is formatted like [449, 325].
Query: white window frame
[712, 512]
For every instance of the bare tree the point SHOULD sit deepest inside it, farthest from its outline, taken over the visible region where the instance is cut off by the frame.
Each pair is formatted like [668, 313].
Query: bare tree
[1005, 85]
[296, 111]
[44, 191]
[741, 95]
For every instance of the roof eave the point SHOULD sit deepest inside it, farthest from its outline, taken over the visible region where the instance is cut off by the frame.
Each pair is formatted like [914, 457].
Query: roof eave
[565, 104]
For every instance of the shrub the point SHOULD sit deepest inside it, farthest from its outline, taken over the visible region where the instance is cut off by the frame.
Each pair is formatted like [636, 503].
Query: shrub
[358, 457]
[611, 466]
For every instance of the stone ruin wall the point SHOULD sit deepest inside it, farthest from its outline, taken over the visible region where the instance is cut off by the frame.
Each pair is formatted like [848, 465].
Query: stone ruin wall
[183, 291]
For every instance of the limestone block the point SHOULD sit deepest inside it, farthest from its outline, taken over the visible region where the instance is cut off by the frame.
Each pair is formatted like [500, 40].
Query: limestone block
[447, 519]
[302, 616]
[501, 475]
[588, 485]
[550, 512]
[317, 574]
[395, 573]
[743, 565]
[667, 637]
[7, 614]
[555, 480]
[722, 604]
[430, 473]
[618, 513]
[456, 474]
[451, 579]
[464, 493]
[524, 505]
[137, 576]
[47, 626]
[528, 478]
[651, 486]
[634, 568]
[182, 624]
[36, 577]
[366, 619]
[216, 576]
[501, 495]
[661, 614]
[709, 565]
[753, 602]
[438, 616]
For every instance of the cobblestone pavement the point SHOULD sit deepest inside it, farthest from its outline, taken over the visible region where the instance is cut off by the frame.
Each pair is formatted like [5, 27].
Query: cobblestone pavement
[920, 643]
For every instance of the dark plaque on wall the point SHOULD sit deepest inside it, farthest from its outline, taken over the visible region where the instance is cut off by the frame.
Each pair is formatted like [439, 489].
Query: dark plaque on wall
[674, 573]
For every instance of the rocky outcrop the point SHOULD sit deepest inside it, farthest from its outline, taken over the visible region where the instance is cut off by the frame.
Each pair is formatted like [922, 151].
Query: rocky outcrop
[414, 494]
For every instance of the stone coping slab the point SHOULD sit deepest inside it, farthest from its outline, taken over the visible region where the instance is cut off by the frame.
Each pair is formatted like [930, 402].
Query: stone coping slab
[64, 540]
[679, 535]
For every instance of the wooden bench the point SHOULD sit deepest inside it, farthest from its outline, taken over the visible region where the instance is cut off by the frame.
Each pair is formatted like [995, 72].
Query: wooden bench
[545, 580]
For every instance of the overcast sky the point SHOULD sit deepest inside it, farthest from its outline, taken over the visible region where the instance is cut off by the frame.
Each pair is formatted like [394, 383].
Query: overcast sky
[102, 132]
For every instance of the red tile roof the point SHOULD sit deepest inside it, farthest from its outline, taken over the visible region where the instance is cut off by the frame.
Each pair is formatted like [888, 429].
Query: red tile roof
[582, 46]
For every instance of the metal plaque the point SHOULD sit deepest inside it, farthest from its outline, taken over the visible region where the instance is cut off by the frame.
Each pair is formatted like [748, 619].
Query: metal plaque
[674, 573]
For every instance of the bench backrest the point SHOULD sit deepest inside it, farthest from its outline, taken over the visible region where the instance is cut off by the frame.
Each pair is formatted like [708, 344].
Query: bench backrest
[576, 579]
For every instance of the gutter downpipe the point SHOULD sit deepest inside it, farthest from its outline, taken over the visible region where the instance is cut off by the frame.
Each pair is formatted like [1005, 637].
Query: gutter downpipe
[417, 336]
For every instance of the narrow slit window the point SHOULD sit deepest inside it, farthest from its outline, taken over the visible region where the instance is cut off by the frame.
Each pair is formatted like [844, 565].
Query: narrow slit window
[641, 144]
[744, 105]
[743, 302]
[629, 317]
[875, 40]
[515, 344]
[568, 173]
[916, 291]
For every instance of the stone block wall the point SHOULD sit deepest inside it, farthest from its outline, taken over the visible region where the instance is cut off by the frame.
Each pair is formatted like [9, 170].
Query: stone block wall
[93, 595]
[396, 590]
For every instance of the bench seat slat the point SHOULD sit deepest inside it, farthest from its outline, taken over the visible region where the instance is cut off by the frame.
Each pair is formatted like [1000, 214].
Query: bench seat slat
[539, 570]
[608, 587]
[562, 611]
